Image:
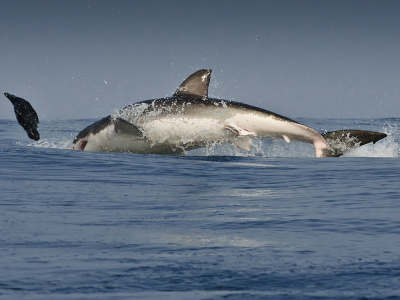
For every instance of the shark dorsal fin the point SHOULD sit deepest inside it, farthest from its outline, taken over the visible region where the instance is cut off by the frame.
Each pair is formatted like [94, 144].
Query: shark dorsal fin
[196, 85]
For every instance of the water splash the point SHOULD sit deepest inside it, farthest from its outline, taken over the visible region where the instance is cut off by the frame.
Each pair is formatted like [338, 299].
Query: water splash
[62, 136]
[52, 143]
[388, 147]
[264, 148]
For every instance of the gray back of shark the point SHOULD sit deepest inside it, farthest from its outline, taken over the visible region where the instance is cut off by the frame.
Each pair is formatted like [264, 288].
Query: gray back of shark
[190, 119]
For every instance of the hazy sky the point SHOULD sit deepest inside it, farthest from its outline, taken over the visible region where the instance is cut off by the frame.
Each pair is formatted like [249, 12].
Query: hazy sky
[84, 59]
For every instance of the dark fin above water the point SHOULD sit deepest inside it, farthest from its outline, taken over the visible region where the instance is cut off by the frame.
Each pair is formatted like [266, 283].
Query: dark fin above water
[196, 85]
[342, 141]
[26, 116]
[124, 127]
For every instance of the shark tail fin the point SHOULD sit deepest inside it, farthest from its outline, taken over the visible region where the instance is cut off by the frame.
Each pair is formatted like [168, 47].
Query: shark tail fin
[342, 141]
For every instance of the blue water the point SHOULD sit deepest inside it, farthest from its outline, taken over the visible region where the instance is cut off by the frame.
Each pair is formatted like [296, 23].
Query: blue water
[217, 223]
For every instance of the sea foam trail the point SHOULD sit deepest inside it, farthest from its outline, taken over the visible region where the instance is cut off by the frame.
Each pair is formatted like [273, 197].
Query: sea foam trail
[52, 143]
[388, 147]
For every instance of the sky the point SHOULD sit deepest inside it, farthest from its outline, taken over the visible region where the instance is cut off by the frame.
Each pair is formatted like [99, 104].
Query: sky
[81, 59]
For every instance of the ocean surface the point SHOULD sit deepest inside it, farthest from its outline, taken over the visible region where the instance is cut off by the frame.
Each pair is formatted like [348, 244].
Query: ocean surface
[216, 223]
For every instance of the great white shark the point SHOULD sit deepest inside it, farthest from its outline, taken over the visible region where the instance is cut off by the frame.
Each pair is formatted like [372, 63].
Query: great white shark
[190, 120]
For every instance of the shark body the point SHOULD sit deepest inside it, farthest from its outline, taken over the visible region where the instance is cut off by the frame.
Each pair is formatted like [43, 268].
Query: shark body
[190, 120]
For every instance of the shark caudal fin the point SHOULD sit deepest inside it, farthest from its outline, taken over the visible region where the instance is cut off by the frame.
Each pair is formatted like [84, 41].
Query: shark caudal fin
[342, 141]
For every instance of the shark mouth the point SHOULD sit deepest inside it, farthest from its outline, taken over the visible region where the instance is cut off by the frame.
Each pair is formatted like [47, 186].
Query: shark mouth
[80, 145]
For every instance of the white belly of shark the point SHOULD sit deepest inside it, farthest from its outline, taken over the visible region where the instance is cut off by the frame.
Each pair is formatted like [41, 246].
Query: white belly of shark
[190, 120]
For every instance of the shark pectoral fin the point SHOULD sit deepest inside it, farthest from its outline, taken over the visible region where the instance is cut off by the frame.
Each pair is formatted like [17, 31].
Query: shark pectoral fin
[242, 137]
[243, 143]
[124, 127]
[286, 138]
[239, 131]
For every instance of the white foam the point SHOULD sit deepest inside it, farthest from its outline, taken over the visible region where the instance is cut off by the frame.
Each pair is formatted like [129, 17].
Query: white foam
[53, 143]
[385, 148]
[265, 148]
[388, 147]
